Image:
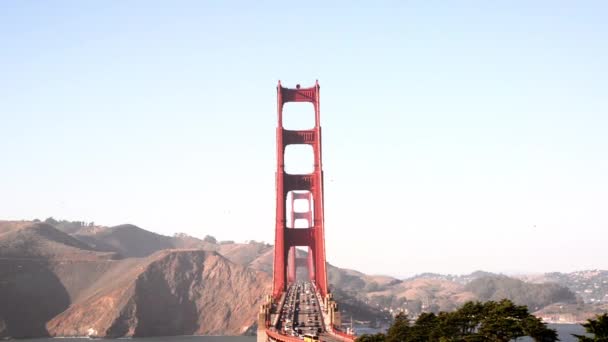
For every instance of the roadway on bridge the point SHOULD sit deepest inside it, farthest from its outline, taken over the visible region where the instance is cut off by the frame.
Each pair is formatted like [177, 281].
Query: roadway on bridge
[301, 313]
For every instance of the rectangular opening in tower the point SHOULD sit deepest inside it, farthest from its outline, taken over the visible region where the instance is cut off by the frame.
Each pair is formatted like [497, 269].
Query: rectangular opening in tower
[301, 223]
[302, 205]
[299, 159]
[298, 116]
[298, 215]
[302, 264]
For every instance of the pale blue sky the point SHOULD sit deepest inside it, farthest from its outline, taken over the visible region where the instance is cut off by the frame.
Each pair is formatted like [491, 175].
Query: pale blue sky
[457, 135]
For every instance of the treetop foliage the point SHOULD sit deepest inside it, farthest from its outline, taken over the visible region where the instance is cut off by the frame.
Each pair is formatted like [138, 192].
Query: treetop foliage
[597, 326]
[500, 321]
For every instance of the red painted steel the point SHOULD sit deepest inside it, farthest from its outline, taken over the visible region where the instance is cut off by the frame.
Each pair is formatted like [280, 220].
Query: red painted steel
[296, 215]
[281, 338]
[345, 336]
[291, 265]
[312, 237]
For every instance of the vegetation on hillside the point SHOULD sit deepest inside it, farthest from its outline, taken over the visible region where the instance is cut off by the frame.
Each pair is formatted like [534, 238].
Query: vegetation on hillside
[590, 285]
[534, 296]
[66, 226]
[500, 321]
[359, 310]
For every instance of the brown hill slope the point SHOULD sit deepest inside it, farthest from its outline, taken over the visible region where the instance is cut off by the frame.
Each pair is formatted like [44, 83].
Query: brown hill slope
[127, 240]
[535, 296]
[54, 284]
[30, 295]
[30, 292]
[41, 240]
[169, 293]
[246, 253]
[131, 241]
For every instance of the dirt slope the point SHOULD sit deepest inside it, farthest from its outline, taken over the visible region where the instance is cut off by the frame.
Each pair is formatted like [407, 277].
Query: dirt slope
[54, 284]
[31, 293]
[41, 240]
[131, 241]
[170, 293]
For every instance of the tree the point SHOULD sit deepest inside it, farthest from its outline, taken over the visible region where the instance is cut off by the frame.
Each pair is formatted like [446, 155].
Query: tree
[379, 337]
[537, 330]
[598, 327]
[51, 221]
[469, 316]
[449, 327]
[398, 331]
[210, 239]
[502, 320]
[424, 328]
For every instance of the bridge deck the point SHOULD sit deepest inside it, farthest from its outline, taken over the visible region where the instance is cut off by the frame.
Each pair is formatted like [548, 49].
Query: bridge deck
[302, 313]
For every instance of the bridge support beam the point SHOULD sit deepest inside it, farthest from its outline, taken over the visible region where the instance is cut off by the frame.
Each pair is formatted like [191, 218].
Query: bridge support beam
[261, 335]
[264, 319]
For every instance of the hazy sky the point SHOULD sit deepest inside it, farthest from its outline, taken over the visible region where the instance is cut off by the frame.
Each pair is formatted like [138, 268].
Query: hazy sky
[457, 135]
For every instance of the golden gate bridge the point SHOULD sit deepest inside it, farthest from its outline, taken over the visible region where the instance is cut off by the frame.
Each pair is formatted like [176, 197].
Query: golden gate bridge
[298, 309]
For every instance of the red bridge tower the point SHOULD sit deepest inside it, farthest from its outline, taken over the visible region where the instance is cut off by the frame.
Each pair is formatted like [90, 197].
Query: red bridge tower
[291, 187]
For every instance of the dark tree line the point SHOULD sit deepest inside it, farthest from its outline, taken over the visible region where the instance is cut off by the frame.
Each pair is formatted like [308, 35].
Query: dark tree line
[500, 321]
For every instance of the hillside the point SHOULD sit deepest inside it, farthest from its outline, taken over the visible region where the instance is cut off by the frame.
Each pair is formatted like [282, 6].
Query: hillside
[53, 284]
[61, 278]
[169, 293]
[131, 241]
[370, 297]
[535, 296]
[434, 293]
[41, 240]
[590, 285]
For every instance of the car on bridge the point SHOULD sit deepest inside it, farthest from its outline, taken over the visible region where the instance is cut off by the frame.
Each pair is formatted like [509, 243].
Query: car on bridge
[311, 337]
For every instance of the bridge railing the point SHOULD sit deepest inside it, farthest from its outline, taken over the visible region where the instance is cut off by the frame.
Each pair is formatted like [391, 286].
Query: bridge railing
[275, 336]
[281, 338]
[343, 335]
[279, 308]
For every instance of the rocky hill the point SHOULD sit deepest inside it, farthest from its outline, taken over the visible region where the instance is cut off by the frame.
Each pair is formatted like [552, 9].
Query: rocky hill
[43, 241]
[131, 241]
[54, 284]
[172, 292]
